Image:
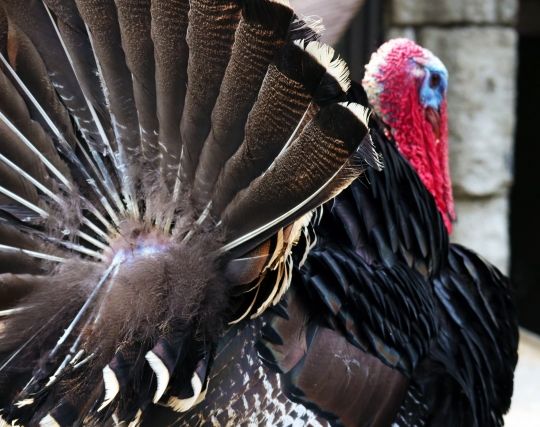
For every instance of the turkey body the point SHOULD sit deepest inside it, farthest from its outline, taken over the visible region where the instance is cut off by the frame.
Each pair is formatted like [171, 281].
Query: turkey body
[384, 276]
[429, 328]
[244, 391]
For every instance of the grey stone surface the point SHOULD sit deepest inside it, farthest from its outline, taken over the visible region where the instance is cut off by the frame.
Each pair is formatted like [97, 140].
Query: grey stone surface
[525, 409]
[407, 12]
[482, 66]
[336, 15]
[397, 32]
[507, 11]
[483, 226]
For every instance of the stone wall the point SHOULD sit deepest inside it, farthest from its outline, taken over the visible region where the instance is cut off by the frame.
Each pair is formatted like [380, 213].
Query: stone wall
[337, 16]
[477, 42]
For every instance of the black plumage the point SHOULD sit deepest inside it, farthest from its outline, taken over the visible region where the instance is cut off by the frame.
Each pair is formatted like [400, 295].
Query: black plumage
[384, 276]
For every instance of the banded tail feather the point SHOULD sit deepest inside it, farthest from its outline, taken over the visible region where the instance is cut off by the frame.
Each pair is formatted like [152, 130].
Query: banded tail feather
[159, 160]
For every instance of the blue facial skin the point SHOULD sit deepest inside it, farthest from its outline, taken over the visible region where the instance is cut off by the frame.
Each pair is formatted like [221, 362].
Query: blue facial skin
[434, 85]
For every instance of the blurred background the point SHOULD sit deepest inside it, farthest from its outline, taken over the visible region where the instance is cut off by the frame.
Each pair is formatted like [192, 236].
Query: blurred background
[492, 51]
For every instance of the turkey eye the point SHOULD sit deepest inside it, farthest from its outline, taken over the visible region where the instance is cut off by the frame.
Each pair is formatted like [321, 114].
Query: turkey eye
[434, 81]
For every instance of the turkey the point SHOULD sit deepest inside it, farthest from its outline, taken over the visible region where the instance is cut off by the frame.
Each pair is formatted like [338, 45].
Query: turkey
[386, 323]
[431, 324]
[160, 160]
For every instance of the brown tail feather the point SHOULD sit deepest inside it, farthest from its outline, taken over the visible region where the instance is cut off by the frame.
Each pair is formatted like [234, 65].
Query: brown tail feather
[169, 28]
[75, 37]
[135, 22]
[210, 38]
[261, 32]
[101, 18]
[313, 160]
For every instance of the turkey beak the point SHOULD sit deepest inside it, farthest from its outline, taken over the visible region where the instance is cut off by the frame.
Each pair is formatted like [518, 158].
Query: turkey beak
[434, 118]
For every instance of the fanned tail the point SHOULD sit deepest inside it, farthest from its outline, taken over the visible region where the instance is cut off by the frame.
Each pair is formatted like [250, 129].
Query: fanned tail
[159, 161]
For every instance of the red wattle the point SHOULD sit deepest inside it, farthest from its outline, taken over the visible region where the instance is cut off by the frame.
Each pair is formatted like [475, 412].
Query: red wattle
[424, 146]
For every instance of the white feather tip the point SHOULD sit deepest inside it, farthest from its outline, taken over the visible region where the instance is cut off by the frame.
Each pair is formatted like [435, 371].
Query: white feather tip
[184, 405]
[24, 402]
[137, 420]
[286, 3]
[48, 421]
[112, 387]
[329, 59]
[162, 374]
[362, 113]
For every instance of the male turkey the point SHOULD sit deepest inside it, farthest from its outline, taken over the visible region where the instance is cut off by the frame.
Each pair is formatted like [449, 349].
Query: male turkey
[386, 323]
[432, 324]
[159, 161]
[191, 210]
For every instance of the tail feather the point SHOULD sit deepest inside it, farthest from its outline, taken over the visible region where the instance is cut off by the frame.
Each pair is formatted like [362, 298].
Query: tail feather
[4, 28]
[94, 132]
[15, 287]
[14, 186]
[312, 161]
[169, 28]
[100, 17]
[275, 115]
[280, 111]
[210, 38]
[73, 32]
[76, 164]
[28, 64]
[14, 261]
[33, 20]
[135, 28]
[260, 33]
[15, 116]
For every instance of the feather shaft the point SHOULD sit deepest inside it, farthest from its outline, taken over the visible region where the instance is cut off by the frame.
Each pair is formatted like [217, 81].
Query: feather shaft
[64, 144]
[28, 341]
[56, 199]
[31, 146]
[34, 254]
[104, 172]
[24, 202]
[91, 298]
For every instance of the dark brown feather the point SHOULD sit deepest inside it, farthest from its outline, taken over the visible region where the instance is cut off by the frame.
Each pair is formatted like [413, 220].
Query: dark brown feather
[135, 21]
[4, 27]
[279, 108]
[322, 370]
[311, 161]
[26, 61]
[13, 182]
[357, 388]
[261, 32]
[102, 21]
[169, 28]
[14, 108]
[33, 19]
[22, 156]
[210, 37]
[15, 287]
[18, 263]
[73, 32]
